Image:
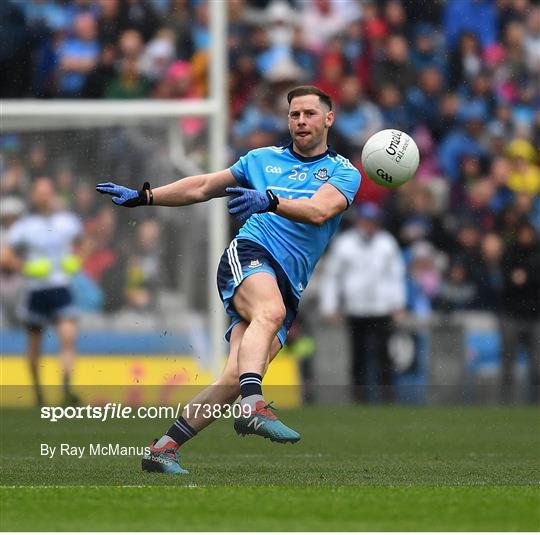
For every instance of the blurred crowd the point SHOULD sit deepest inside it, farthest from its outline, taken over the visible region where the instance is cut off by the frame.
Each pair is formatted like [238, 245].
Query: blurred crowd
[462, 77]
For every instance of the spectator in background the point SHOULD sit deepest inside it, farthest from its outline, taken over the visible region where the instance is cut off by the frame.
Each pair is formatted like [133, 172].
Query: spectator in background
[179, 21]
[100, 78]
[357, 119]
[479, 16]
[463, 141]
[466, 248]
[524, 175]
[242, 81]
[413, 217]
[479, 204]
[38, 161]
[353, 46]
[129, 83]
[502, 126]
[423, 101]
[140, 16]
[447, 117]
[394, 114]
[423, 278]
[365, 272]
[396, 17]
[84, 201]
[11, 282]
[259, 125]
[458, 290]
[200, 34]
[428, 169]
[532, 40]
[65, 185]
[158, 55]
[109, 26]
[516, 56]
[395, 67]
[303, 57]
[426, 52]
[470, 171]
[465, 61]
[144, 267]
[490, 280]
[499, 171]
[332, 69]
[14, 179]
[15, 53]
[130, 44]
[41, 247]
[324, 19]
[104, 263]
[78, 56]
[520, 307]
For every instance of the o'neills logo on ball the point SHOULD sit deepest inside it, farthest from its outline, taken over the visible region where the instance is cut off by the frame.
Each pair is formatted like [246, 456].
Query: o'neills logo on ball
[396, 138]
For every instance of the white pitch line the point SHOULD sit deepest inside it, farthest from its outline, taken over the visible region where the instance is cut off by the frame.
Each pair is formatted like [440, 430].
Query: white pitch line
[190, 486]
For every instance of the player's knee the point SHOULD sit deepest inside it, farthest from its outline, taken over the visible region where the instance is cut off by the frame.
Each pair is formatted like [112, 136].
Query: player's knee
[272, 315]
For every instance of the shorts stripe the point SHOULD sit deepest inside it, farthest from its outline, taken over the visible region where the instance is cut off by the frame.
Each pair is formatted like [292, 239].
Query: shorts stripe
[232, 267]
[237, 260]
[234, 263]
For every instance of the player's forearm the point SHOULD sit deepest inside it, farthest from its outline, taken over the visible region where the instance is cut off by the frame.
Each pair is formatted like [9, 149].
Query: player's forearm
[303, 211]
[189, 190]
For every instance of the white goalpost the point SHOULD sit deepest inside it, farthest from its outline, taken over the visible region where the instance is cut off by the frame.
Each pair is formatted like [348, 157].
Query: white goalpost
[48, 115]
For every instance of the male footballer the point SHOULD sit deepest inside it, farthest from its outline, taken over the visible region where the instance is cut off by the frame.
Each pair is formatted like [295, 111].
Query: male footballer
[41, 246]
[291, 200]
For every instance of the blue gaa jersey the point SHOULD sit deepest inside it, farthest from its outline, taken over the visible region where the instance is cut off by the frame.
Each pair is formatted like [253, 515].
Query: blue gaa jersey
[297, 247]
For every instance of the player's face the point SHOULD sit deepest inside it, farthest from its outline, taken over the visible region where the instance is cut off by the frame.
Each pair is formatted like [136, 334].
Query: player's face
[43, 195]
[309, 121]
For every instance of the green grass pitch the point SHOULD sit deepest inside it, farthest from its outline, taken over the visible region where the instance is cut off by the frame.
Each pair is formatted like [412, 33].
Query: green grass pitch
[356, 468]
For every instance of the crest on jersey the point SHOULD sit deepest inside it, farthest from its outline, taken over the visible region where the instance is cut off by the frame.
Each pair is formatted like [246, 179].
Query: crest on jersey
[322, 174]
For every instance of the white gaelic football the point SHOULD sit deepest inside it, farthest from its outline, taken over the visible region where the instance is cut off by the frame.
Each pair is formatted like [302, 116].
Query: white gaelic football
[390, 158]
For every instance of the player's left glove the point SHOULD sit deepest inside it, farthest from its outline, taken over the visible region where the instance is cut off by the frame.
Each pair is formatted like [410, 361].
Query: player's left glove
[126, 196]
[249, 201]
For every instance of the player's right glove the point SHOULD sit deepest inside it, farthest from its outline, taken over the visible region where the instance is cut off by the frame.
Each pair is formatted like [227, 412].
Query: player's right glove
[249, 201]
[38, 268]
[125, 196]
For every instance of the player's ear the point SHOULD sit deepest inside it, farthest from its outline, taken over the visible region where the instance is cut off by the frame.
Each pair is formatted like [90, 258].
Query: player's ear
[329, 121]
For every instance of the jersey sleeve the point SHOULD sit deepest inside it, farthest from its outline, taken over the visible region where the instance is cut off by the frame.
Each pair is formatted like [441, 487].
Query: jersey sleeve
[239, 171]
[347, 180]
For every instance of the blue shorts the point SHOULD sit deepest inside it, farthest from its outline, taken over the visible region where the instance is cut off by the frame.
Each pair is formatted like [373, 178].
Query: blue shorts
[48, 305]
[240, 260]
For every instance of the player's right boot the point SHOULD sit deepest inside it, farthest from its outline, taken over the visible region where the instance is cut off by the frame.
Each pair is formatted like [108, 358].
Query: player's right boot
[263, 422]
[165, 460]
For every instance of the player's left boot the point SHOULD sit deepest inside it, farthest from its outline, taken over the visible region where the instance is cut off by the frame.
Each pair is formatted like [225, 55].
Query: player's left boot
[164, 460]
[263, 422]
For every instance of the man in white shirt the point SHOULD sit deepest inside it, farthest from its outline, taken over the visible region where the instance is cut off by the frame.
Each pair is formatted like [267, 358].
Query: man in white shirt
[40, 246]
[364, 281]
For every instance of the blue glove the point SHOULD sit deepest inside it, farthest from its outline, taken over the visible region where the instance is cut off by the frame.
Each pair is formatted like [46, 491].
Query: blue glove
[250, 201]
[125, 196]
